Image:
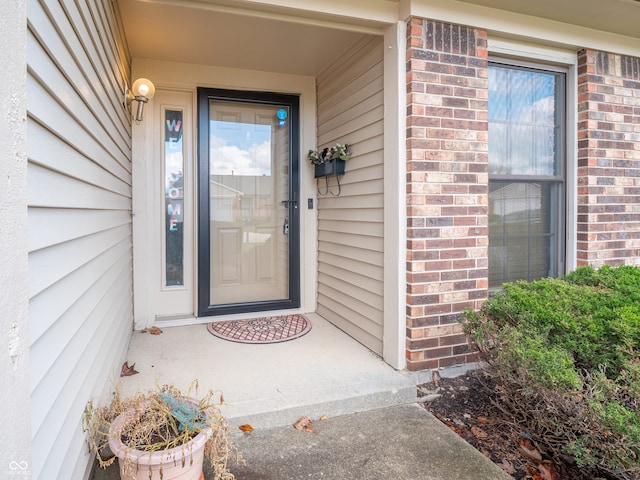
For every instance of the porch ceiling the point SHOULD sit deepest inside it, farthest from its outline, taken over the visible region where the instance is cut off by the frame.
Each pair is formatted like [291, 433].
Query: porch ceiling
[216, 33]
[288, 36]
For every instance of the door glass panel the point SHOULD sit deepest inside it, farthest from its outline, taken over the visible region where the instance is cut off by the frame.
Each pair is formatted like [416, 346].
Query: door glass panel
[248, 202]
[174, 198]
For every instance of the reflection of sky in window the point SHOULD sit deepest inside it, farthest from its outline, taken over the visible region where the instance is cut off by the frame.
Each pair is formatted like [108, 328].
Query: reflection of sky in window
[522, 121]
[173, 163]
[240, 149]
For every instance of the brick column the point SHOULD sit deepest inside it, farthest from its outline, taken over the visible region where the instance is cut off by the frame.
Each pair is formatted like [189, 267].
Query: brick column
[608, 159]
[447, 188]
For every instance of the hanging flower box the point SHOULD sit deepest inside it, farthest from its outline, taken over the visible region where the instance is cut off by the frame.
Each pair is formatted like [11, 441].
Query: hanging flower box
[332, 167]
[329, 161]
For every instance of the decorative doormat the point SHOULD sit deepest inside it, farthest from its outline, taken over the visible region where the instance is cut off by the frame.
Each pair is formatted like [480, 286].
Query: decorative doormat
[262, 330]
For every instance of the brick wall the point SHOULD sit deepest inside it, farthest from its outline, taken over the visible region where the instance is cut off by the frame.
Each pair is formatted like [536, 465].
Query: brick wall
[447, 188]
[608, 159]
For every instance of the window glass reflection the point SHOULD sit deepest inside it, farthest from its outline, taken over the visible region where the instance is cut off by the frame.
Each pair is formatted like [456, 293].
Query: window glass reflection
[521, 231]
[174, 198]
[523, 117]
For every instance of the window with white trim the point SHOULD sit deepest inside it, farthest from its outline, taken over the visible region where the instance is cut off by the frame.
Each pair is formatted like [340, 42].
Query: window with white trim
[527, 212]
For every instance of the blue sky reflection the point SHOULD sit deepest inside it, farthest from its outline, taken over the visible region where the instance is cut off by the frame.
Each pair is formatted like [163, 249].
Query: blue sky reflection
[523, 122]
[240, 149]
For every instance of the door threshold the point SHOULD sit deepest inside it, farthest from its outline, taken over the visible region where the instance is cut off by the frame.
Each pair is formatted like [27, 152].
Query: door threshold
[186, 320]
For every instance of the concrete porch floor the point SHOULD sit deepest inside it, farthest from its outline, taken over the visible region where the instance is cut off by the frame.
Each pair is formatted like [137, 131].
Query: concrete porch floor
[325, 372]
[374, 428]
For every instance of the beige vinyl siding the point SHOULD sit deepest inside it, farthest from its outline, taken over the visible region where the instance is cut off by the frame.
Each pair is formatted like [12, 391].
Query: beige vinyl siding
[350, 226]
[79, 220]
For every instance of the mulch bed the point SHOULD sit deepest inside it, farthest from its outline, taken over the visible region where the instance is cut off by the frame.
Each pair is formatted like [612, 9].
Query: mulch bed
[465, 405]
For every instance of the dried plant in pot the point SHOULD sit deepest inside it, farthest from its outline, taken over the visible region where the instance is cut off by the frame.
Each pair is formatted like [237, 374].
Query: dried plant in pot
[161, 435]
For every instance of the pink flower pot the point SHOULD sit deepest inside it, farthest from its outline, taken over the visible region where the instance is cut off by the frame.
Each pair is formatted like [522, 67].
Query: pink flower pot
[179, 463]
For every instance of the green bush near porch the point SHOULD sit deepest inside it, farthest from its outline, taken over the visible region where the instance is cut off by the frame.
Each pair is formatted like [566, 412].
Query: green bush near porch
[564, 353]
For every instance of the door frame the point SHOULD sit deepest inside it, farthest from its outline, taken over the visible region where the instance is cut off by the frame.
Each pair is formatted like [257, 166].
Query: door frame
[204, 95]
[146, 227]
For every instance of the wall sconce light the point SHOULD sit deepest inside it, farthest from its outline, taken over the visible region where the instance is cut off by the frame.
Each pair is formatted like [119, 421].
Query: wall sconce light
[142, 91]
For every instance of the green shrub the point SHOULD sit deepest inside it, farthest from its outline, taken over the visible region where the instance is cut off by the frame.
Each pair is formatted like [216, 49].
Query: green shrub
[570, 344]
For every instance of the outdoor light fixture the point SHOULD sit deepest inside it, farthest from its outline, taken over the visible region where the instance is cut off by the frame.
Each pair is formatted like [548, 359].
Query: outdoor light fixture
[142, 91]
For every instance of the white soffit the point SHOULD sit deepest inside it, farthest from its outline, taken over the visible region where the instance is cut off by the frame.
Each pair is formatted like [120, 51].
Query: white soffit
[609, 25]
[369, 15]
[616, 16]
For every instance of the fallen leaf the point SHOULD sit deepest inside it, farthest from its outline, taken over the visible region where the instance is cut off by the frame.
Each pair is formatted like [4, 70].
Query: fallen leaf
[308, 428]
[507, 466]
[478, 432]
[548, 471]
[463, 432]
[155, 330]
[533, 474]
[527, 448]
[303, 423]
[221, 398]
[483, 420]
[127, 370]
[246, 427]
[323, 418]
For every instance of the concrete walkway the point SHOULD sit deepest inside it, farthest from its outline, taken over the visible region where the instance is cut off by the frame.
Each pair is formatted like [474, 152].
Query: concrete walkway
[395, 443]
